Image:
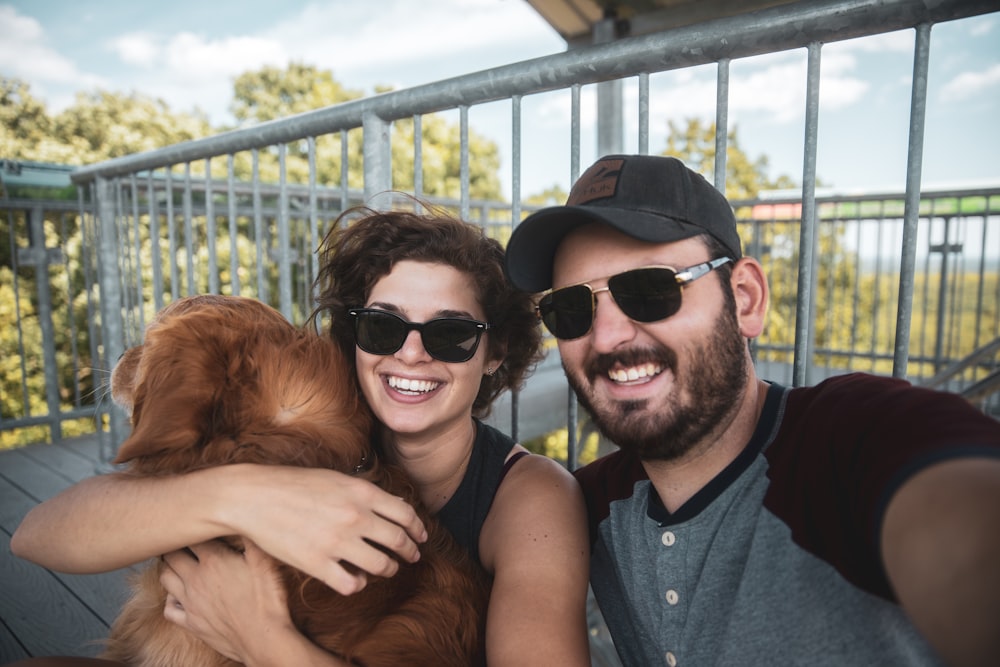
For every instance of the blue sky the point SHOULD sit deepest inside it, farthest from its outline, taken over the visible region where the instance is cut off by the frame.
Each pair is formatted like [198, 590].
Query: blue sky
[188, 52]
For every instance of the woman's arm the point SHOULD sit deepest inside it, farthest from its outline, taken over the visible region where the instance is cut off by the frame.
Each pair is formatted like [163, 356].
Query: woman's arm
[235, 604]
[535, 543]
[309, 518]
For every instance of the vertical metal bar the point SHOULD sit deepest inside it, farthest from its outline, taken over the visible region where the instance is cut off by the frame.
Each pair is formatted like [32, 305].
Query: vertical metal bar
[939, 360]
[39, 260]
[15, 275]
[344, 166]
[572, 419]
[463, 151]
[91, 237]
[574, 134]
[234, 231]
[515, 219]
[175, 279]
[644, 113]
[258, 229]
[418, 156]
[856, 294]
[210, 231]
[112, 329]
[609, 98]
[69, 267]
[189, 229]
[721, 124]
[980, 285]
[155, 252]
[911, 207]
[284, 243]
[313, 220]
[377, 154]
[877, 292]
[805, 309]
[136, 262]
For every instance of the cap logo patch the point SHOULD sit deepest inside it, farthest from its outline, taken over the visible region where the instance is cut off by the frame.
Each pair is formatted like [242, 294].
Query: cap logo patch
[598, 182]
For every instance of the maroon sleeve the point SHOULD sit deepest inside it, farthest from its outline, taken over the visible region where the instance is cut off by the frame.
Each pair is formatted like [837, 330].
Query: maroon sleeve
[846, 445]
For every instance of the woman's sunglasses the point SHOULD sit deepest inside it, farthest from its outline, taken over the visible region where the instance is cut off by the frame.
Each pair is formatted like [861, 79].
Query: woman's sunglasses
[451, 339]
[647, 294]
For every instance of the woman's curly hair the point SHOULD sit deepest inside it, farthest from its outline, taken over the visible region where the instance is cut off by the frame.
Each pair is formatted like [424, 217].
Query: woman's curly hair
[363, 246]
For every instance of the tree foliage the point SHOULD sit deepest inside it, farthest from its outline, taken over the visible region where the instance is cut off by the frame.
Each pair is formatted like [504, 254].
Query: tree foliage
[746, 177]
[99, 125]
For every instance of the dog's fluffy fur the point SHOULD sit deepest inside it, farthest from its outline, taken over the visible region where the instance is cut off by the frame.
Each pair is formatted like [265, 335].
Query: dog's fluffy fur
[223, 380]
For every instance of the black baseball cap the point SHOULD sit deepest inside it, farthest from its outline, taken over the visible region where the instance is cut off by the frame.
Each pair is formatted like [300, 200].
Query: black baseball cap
[650, 198]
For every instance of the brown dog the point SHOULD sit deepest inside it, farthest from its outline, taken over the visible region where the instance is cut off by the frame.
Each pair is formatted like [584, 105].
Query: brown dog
[223, 380]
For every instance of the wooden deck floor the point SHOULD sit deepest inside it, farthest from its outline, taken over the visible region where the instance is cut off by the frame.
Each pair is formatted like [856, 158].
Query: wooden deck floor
[42, 612]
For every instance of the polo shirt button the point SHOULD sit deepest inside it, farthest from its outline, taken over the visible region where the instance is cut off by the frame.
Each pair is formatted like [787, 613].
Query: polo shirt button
[671, 659]
[668, 539]
[672, 597]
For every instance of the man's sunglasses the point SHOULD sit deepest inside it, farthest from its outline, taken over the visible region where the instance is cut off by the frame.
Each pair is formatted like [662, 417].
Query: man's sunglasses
[451, 339]
[647, 294]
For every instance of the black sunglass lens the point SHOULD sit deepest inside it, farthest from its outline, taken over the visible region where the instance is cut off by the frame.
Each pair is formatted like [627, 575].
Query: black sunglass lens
[451, 340]
[379, 333]
[569, 312]
[646, 295]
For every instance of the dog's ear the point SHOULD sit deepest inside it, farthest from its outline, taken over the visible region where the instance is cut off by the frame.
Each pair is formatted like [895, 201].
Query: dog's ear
[123, 378]
[177, 384]
[175, 425]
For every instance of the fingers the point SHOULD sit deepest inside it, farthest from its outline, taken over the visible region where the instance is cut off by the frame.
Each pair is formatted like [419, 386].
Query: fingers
[402, 514]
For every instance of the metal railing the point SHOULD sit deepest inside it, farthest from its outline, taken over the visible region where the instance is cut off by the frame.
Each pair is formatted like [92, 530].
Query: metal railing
[199, 216]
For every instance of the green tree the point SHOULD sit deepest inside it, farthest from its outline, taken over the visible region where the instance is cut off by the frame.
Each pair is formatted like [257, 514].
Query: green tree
[551, 196]
[25, 126]
[745, 177]
[99, 125]
[102, 125]
[270, 93]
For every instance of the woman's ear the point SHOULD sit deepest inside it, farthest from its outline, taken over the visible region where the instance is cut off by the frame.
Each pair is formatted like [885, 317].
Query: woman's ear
[493, 365]
[751, 294]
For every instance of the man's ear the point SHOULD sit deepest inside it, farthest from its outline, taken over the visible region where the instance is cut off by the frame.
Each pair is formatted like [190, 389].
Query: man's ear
[751, 293]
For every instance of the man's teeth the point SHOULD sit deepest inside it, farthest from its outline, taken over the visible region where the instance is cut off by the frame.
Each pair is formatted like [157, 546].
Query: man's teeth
[634, 373]
[412, 386]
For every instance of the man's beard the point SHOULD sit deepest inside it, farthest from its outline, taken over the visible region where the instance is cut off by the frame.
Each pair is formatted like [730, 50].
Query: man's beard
[716, 378]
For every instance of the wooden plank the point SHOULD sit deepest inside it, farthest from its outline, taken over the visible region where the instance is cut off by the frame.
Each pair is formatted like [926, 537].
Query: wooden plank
[36, 480]
[14, 504]
[68, 462]
[87, 446]
[10, 648]
[97, 597]
[44, 616]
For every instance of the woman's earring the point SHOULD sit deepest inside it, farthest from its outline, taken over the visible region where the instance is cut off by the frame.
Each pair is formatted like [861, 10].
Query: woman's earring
[490, 370]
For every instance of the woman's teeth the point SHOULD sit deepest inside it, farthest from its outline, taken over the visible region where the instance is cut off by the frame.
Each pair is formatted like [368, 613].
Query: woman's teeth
[407, 386]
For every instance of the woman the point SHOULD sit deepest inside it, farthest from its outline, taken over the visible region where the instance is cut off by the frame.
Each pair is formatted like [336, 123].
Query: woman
[383, 276]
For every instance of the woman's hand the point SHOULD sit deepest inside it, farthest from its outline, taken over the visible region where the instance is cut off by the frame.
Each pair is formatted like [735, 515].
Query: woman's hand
[315, 520]
[233, 602]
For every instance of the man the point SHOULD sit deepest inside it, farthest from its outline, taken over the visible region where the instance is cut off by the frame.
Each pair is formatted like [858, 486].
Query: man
[856, 522]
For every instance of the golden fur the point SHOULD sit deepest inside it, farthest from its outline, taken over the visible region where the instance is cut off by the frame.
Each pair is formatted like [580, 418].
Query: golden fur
[222, 380]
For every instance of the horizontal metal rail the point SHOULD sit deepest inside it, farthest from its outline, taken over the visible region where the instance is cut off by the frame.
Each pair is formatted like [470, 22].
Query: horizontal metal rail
[779, 28]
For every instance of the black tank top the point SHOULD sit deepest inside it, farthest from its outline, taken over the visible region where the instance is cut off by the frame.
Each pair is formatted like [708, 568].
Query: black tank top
[464, 513]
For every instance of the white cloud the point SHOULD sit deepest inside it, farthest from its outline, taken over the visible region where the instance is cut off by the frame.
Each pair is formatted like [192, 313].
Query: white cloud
[353, 40]
[25, 54]
[968, 85]
[137, 48]
[900, 41]
[982, 26]
[192, 57]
